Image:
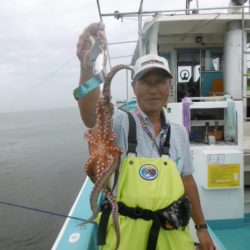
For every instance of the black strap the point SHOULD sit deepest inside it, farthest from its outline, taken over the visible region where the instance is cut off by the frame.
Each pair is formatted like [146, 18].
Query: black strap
[135, 213]
[166, 146]
[145, 214]
[153, 234]
[175, 215]
[132, 138]
[164, 150]
[102, 228]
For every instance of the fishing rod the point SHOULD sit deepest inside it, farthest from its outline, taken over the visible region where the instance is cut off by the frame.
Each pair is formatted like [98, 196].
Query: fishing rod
[43, 211]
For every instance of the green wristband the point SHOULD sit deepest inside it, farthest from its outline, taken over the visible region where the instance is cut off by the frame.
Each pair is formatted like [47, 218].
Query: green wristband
[87, 86]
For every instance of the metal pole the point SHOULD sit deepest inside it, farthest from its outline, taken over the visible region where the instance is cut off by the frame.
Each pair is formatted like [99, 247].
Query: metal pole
[243, 52]
[140, 28]
[118, 57]
[127, 85]
[150, 13]
[197, 3]
[187, 6]
[140, 8]
[99, 9]
[100, 15]
[115, 43]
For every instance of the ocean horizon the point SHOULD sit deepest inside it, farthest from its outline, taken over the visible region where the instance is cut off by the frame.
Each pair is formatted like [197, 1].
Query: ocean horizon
[42, 153]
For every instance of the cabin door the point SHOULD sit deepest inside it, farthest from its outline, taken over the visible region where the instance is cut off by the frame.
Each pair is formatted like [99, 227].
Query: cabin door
[199, 72]
[188, 73]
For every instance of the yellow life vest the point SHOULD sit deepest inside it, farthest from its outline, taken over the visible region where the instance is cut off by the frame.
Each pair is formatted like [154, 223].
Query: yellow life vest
[148, 183]
[152, 184]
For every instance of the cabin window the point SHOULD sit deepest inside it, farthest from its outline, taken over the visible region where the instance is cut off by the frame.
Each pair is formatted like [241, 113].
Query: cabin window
[212, 60]
[188, 73]
[248, 109]
[248, 99]
[199, 72]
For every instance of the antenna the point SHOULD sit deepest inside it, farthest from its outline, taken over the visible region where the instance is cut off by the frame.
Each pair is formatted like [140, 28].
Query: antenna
[118, 16]
[239, 2]
[188, 7]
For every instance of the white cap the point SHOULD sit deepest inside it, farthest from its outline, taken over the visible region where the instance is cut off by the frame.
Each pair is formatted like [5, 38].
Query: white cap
[148, 62]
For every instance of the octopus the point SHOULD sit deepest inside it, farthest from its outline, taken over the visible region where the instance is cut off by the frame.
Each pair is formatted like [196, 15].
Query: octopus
[104, 157]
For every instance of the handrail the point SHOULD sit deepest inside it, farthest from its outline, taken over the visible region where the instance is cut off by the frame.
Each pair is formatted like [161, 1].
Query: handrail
[129, 14]
[207, 98]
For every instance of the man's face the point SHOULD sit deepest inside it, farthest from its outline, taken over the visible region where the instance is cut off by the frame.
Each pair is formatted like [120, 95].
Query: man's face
[152, 90]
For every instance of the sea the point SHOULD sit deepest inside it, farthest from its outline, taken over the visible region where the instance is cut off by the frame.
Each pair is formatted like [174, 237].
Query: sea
[41, 168]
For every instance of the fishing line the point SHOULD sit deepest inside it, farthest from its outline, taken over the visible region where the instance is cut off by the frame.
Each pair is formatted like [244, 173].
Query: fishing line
[43, 211]
[53, 73]
[46, 79]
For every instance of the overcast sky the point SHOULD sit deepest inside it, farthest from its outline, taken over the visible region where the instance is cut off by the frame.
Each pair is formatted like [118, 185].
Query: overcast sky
[38, 65]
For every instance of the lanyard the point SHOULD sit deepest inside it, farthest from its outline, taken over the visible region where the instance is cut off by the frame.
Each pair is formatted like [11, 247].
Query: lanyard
[163, 136]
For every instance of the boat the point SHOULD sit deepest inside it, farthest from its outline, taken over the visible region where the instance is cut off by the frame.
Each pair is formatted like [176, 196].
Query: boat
[72, 235]
[207, 50]
[128, 106]
[120, 102]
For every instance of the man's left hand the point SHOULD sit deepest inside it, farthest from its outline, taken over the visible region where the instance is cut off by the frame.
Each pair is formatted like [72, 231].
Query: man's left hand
[206, 243]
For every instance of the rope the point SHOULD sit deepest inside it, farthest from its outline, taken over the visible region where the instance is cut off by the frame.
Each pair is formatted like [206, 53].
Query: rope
[43, 211]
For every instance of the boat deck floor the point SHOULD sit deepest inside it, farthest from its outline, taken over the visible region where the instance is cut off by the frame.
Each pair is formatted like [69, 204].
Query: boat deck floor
[227, 234]
[233, 234]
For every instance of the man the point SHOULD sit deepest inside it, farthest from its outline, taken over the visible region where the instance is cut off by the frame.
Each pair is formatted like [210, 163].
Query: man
[162, 170]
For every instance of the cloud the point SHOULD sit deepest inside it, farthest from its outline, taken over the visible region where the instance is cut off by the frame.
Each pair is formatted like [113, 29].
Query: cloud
[38, 38]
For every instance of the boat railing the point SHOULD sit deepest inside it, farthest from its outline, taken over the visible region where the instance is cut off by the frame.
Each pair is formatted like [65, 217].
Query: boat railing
[223, 10]
[207, 98]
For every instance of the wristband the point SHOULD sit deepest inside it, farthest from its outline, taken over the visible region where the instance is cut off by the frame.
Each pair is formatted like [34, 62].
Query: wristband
[87, 86]
[201, 226]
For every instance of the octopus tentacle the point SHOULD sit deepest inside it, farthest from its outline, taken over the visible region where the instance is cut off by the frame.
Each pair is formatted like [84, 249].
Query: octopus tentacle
[95, 194]
[106, 87]
[104, 158]
[114, 207]
[89, 169]
[98, 188]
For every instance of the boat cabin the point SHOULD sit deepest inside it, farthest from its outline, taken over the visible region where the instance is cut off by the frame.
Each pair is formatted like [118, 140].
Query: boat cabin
[207, 52]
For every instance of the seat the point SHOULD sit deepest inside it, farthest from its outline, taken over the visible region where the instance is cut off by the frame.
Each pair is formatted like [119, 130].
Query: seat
[217, 87]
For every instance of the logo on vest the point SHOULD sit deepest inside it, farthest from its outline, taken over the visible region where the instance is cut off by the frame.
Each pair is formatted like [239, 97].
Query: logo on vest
[148, 172]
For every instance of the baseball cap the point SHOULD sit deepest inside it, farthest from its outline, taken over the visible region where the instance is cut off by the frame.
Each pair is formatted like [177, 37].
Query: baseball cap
[148, 62]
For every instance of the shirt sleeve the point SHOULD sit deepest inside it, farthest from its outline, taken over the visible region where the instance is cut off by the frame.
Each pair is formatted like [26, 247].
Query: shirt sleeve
[187, 168]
